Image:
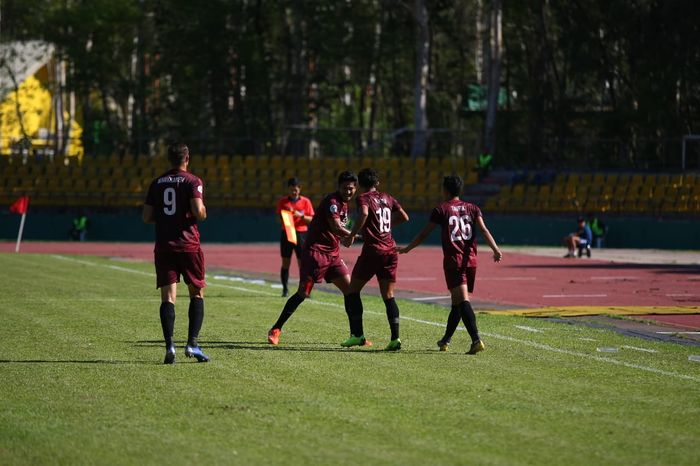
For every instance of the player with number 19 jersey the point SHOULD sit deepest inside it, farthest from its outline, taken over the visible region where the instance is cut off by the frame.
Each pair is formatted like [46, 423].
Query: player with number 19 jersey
[457, 221]
[379, 254]
[170, 195]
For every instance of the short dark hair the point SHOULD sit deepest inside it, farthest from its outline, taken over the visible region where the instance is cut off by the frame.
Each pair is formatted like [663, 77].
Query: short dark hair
[346, 176]
[453, 185]
[368, 178]
[177, 153]
[293, 181]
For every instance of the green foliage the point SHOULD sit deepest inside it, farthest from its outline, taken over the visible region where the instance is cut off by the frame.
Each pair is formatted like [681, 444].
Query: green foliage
[246, 74]
[83, 383]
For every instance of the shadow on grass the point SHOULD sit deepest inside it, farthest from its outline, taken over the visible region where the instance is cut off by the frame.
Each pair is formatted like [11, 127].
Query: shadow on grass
[298, 347]
[71, 361]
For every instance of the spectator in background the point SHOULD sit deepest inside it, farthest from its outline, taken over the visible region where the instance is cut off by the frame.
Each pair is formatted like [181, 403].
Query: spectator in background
[483, 165]
[80, 227]
[583, 237]
[598, 228]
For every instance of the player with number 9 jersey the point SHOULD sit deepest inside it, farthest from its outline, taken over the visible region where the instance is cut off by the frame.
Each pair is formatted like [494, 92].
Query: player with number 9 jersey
[174, 203]
[170, 195]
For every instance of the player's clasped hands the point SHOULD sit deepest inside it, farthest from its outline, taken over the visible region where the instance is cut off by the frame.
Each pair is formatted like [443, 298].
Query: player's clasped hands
[347, 241]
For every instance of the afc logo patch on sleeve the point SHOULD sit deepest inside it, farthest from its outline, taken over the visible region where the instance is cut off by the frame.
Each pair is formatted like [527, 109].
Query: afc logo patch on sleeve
[334, 209]
[200, 188]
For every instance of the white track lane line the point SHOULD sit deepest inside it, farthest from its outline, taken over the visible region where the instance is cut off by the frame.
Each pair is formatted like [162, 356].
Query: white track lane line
[574, 295]
[496, 336]
[509, 279]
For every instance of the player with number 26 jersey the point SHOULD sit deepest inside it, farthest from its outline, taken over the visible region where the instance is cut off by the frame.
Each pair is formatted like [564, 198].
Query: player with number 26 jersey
[457, 220]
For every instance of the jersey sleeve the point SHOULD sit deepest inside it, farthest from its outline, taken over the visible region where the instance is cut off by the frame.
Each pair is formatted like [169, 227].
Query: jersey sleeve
[334, 209]
[151, 195]
[436, 215]
[361, 200]
[309, 207]
[477, 212]
[197, 189]
[395, 206]
[280, 203]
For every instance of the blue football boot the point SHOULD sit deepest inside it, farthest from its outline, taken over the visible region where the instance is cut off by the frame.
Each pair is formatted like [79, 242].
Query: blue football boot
[169, 356]
[196, 352]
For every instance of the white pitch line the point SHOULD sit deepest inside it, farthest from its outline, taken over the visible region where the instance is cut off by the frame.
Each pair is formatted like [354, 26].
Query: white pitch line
[488, 334]
[574, 295]
[635, 348]
[678, 333]
[687, 295]
[528, 329]
[431, 298]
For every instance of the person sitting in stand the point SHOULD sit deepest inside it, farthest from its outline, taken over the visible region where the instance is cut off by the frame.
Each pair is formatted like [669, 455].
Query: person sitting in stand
[581, 239]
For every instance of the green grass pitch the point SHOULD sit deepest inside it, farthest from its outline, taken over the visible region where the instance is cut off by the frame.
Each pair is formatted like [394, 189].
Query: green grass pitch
[83, 383]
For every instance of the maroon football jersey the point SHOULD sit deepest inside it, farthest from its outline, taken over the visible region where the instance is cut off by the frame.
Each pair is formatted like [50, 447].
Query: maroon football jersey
[458, 222]
[377, 229]
[320, 237]
[170, 195]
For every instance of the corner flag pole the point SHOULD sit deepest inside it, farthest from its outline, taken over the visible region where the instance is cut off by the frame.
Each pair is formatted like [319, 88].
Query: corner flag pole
[21, 230]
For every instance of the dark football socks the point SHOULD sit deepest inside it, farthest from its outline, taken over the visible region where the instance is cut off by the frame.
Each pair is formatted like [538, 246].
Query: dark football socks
[354, 310]
[196, 315]
[392, 315]
[167, 321]
[284, 276]
[290, 306]
[452, 323]
[467, 313]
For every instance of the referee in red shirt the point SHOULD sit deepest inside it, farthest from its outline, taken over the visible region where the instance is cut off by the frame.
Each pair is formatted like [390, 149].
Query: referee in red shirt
[303, 212]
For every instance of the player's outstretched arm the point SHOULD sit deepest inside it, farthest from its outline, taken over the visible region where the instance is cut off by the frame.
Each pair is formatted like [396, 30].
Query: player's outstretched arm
[147, 214]
[497, 254]
[198, 209]
[398, 217]
[420, 237]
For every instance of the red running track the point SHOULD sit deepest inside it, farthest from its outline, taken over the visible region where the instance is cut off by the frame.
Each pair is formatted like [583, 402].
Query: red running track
[520, 280]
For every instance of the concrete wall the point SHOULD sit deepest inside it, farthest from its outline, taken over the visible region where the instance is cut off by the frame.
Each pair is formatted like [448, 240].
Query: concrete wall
[258, 226]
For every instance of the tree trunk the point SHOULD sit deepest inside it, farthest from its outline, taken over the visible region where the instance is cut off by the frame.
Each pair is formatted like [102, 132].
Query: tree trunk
[420, 117]
[495, 42]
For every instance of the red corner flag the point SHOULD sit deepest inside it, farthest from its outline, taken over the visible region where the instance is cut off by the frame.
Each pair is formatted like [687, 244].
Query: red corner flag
[20, 206]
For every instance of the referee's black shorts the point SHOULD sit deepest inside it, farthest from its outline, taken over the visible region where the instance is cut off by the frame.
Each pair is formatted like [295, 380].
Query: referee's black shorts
[286, 247]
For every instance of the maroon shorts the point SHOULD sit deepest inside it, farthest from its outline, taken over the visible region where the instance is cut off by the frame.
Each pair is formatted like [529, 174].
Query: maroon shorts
[458, 276]
[316, 266]
[170, 265]
[370, 263]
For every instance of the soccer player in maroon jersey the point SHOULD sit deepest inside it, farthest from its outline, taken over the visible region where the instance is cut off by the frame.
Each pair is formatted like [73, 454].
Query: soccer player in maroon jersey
[457, 220]
[303, 211]
[175, 203]
[377, 213]
[320, 258]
